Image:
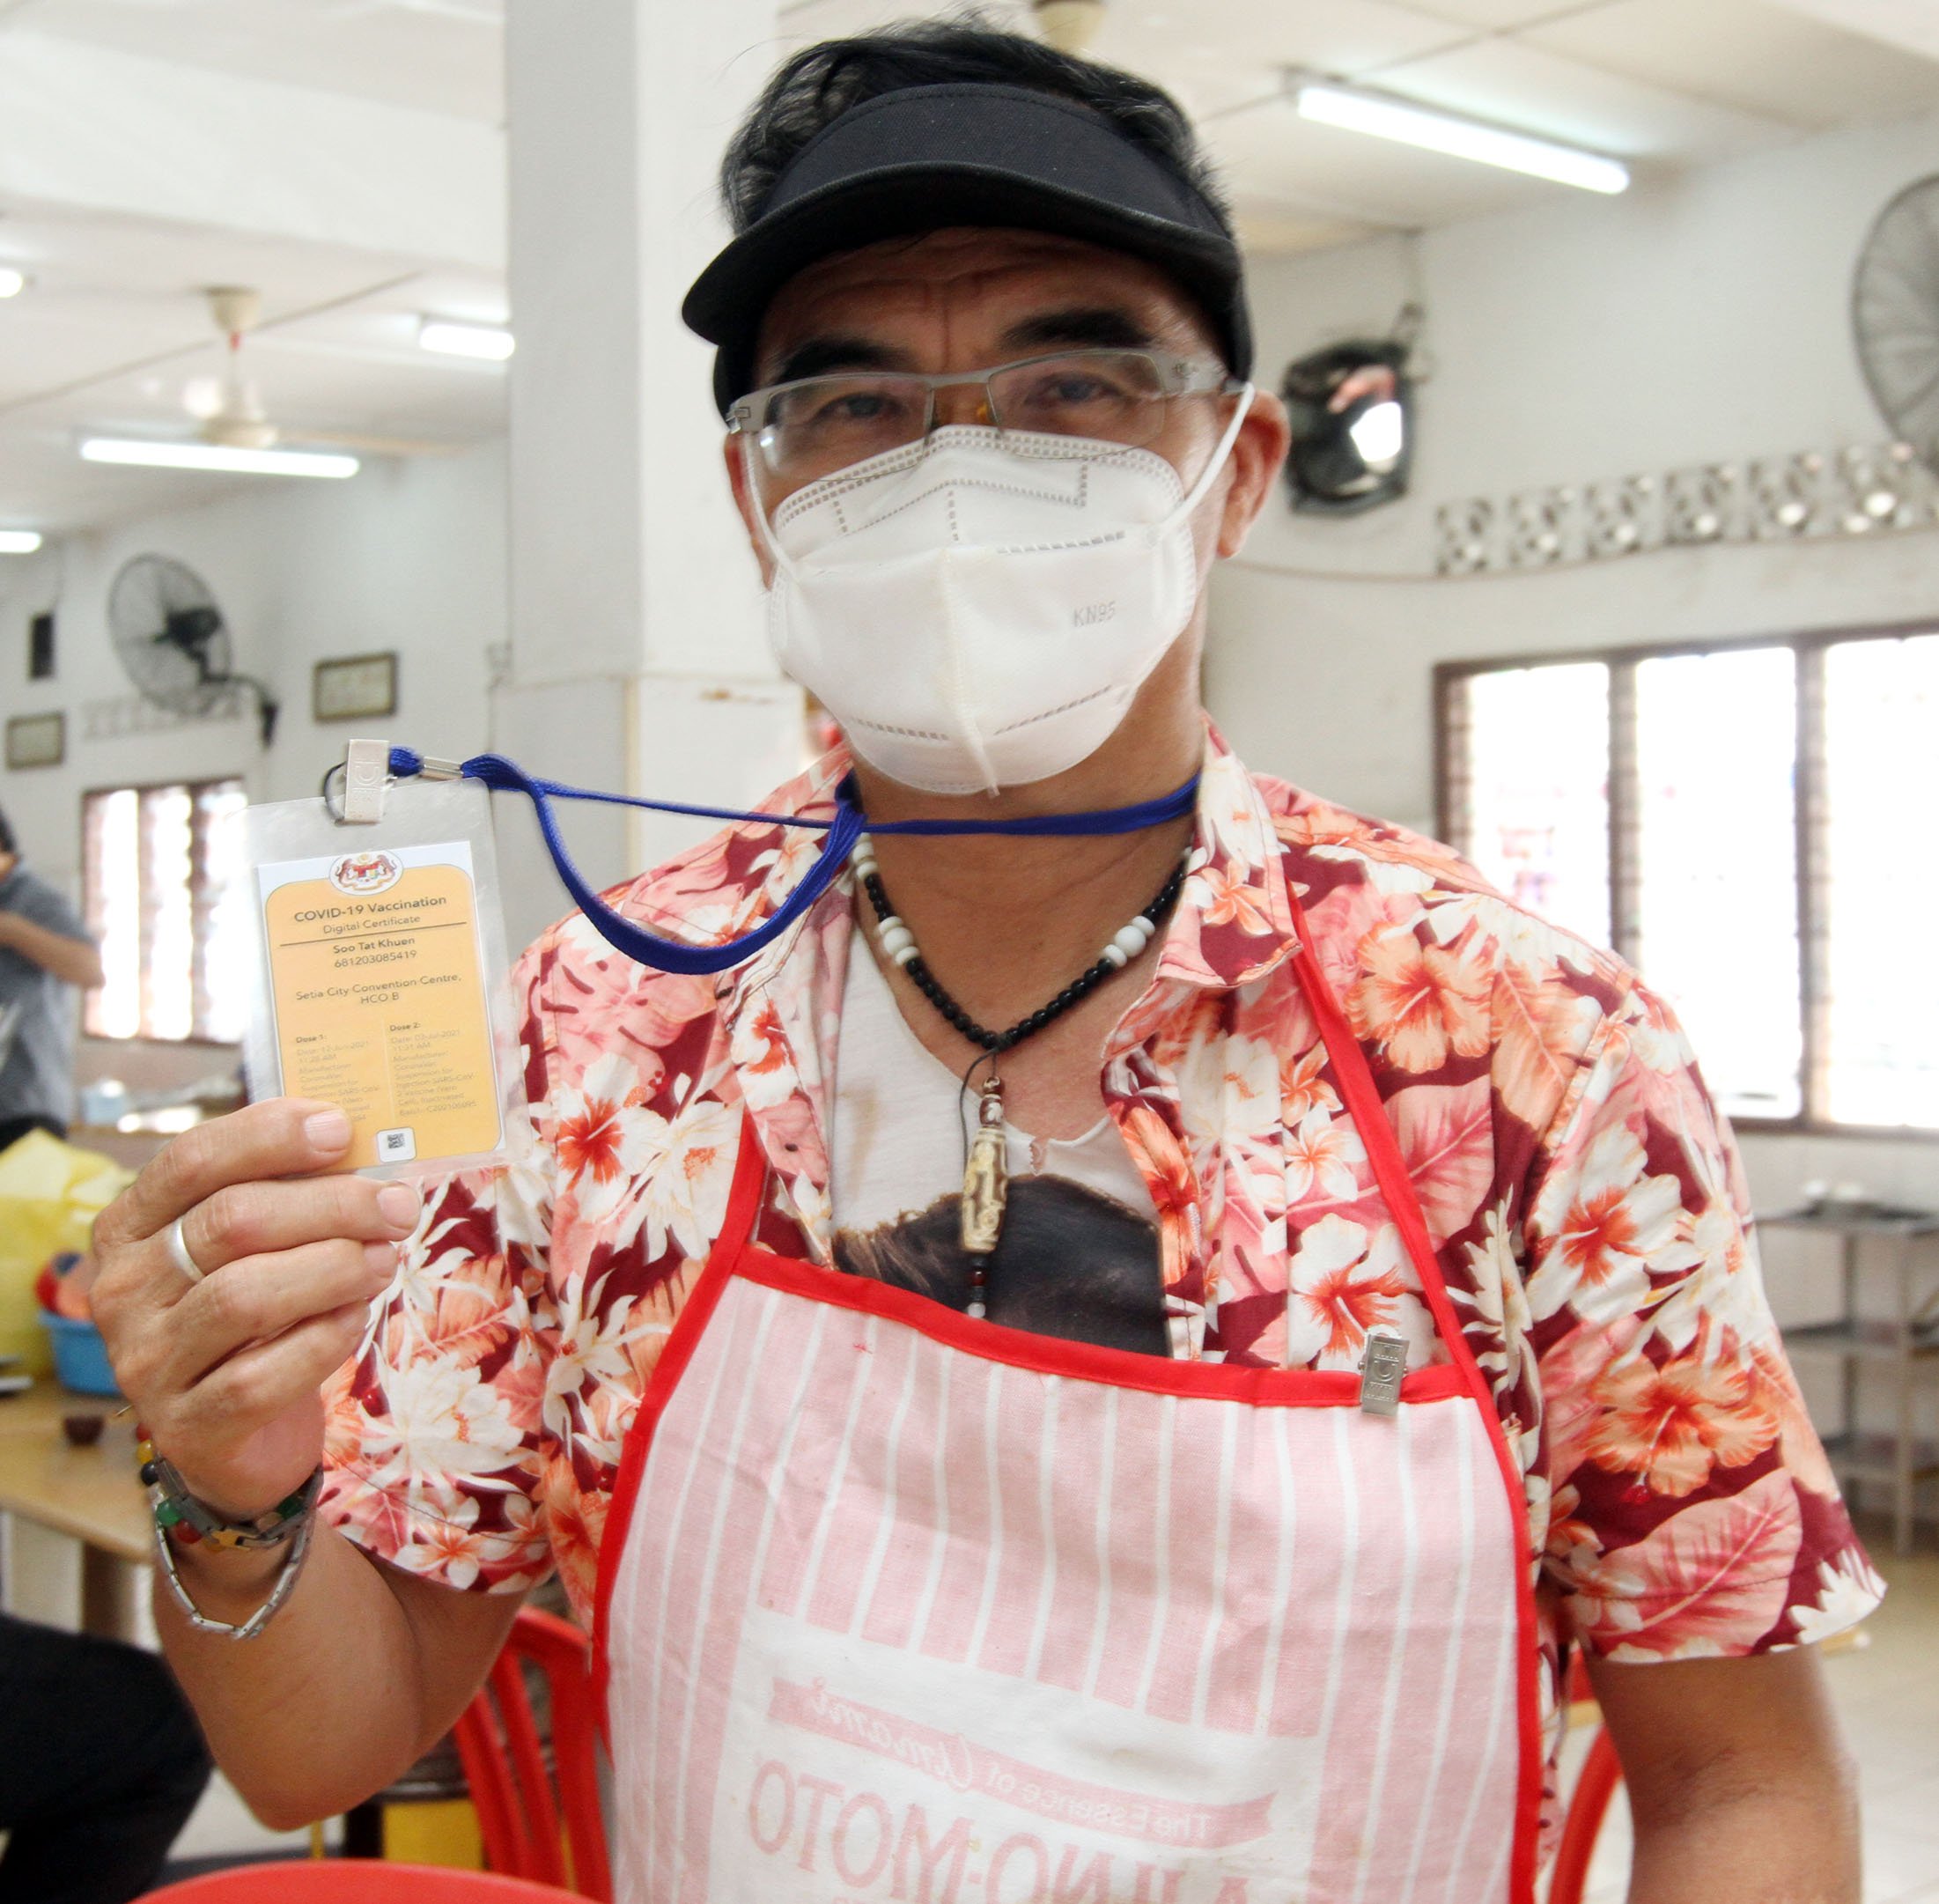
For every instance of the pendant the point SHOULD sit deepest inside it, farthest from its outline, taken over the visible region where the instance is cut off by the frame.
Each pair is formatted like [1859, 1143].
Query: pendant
[985, 1189]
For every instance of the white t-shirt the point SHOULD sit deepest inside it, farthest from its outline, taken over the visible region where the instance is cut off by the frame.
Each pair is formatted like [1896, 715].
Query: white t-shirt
[1079, 1255]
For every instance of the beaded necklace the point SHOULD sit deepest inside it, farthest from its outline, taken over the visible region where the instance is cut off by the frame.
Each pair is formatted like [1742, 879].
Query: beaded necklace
[985, 1186]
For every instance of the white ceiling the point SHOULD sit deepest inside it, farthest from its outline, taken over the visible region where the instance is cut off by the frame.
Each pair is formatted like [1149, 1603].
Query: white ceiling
[113, 328]
[437, 55]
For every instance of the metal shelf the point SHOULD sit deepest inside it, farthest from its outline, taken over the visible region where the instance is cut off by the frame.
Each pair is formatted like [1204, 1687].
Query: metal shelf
[1858, 1218]
[1875, 1458]
[1900, 1347]
[1873, 1341]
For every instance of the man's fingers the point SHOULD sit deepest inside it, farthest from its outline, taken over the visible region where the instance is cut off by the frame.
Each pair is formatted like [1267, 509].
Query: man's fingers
[282, 1137]
[255, 1301]
[253, 1387]
[261, 1219]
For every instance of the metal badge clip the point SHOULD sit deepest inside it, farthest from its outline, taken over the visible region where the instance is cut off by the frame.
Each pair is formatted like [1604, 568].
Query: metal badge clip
[1382, 1371]
[366, 773]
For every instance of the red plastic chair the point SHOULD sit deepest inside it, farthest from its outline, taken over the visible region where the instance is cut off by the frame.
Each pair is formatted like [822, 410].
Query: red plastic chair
[1588, 1802]
[355, 1881]
[519, 1815]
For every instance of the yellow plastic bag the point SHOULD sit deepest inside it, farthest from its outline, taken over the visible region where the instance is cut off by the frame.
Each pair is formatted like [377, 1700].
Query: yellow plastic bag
[51, 1193]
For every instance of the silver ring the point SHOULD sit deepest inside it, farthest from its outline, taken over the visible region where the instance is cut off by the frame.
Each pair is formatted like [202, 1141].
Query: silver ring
[178, 1252]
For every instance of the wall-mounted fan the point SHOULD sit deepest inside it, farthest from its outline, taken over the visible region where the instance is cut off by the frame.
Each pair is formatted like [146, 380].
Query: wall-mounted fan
[173, 642]
[1351, 408]
[1895, 316]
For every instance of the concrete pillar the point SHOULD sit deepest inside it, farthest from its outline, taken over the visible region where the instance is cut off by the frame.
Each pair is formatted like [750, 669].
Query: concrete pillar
[638, 658]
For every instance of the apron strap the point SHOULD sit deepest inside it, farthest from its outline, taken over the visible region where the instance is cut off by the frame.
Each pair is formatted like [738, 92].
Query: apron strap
[750, 1182]
[737, 1229]
[1397, 1187]
[1369, 1115]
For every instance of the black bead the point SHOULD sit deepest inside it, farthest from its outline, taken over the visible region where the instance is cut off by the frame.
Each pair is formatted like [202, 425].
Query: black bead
[1079, 989]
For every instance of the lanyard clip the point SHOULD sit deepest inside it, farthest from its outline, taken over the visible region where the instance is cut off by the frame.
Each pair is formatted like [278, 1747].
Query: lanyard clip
[366, 774]
[1382, 1371]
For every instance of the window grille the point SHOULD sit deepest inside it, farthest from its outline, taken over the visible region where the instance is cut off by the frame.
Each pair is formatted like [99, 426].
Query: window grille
[164, 889]
[1747, 823]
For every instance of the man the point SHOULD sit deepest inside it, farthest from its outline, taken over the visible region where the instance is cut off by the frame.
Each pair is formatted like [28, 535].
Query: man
[955, 1357]
[46, 956]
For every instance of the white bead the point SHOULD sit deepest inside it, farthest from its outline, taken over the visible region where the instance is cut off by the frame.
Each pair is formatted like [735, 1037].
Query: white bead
[865, 844]
[1131, 941]
[977, 1311]
[865, 867]
[908, 956]
[898, 939]
[1143, 926]
[892, 923]
[1113, 954]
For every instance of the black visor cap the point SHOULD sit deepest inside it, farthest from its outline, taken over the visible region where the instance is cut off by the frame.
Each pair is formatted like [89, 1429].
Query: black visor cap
[930, 157]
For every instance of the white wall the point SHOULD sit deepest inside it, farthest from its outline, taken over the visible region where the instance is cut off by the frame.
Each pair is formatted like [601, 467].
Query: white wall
[1688, 322]
[1691, 321]
[406, 554]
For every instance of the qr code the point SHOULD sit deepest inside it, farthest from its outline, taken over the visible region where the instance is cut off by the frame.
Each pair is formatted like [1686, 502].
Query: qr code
[396, 1147]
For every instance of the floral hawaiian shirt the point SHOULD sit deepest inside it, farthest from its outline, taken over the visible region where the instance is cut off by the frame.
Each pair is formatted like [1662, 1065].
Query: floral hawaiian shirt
[1583, 1196]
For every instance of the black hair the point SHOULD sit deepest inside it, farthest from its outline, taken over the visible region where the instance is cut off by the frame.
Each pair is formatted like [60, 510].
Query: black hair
[6, 835]
[820, 83]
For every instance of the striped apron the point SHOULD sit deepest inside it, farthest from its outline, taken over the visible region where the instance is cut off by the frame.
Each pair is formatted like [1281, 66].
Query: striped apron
[896, 1605]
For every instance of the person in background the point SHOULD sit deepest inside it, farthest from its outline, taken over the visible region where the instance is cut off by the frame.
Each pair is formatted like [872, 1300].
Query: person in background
[103, 1762]
[46, 956]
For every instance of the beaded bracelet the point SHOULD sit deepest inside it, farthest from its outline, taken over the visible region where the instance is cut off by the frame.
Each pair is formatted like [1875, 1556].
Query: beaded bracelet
[180, 1518]
[179, 1511]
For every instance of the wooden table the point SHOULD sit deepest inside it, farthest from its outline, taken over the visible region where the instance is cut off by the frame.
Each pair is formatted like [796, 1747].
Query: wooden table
[91, 1495]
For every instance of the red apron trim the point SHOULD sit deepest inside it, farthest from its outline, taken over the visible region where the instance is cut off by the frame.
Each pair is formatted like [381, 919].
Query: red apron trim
[1369, 1116]
[733, 1253]
[1084, 1361]
[750, 1175]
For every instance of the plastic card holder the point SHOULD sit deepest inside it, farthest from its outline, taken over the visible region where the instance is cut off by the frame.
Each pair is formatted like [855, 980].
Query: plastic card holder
[381, 984]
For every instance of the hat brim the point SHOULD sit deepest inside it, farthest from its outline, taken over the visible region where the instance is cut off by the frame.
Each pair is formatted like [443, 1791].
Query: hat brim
[1002, 183]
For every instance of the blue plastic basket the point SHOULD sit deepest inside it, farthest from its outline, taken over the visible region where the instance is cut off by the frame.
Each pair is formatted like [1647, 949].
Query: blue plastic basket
[80, 1356]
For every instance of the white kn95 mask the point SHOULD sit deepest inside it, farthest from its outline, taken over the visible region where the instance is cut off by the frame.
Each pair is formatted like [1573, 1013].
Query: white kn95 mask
[978, 610]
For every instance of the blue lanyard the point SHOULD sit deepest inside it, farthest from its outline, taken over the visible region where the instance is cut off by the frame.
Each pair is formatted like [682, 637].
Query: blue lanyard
[849, 822]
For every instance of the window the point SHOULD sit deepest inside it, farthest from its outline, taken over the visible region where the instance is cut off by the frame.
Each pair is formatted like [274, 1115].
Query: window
[1743, 821]
[162, 867]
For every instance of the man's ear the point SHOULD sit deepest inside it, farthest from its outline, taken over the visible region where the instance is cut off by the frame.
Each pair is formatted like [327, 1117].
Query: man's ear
[743, 500]
[1259, 452]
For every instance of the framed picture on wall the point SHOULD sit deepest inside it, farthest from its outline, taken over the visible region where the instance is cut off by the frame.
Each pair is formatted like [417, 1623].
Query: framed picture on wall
[354, 687]
[36, 740]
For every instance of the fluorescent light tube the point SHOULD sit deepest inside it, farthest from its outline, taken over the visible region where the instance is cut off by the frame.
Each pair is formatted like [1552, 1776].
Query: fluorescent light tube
[12, 283]
[1386, 118]
[302, 463]
[491, 342]
[19, 542]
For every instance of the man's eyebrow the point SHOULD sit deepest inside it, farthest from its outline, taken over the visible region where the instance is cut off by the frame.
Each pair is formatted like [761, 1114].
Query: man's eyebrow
[1081, 325]
[813, 356]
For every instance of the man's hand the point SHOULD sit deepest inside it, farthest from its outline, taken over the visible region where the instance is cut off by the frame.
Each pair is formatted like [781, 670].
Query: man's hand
[225, 1374]
[74, 962]
[1740, 1785]
[366, 1667]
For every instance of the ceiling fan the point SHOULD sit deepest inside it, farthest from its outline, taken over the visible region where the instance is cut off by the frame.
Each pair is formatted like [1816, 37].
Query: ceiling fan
[228, 407]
